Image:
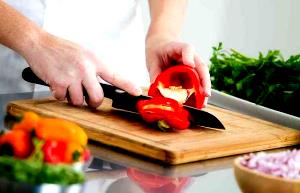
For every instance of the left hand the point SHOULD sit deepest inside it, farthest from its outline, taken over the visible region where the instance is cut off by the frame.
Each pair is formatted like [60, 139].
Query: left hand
[161, 54]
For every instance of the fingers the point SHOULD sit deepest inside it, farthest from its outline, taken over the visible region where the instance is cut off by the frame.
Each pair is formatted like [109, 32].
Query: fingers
[205, 102]
[154, 72]
[181, 53]
[94, 90]
[203, 72]
[76, 94]
[73, 93]
[188, 53]
[185, 53]
[154, 69]
[115, 79]
[59, 91]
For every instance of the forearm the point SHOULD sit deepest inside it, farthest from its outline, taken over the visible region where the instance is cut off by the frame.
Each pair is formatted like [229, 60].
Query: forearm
[167, 17]
[16, 31]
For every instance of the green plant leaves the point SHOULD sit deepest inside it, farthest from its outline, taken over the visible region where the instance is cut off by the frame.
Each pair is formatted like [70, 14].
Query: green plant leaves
[267, 80]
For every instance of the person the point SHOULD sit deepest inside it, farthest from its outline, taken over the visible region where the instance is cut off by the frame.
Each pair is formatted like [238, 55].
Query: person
[73, 45]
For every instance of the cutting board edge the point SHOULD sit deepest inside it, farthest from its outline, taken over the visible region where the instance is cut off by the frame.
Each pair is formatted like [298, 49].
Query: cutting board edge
[177, 160]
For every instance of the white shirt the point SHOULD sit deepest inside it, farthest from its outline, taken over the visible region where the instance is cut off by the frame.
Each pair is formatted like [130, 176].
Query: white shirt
[112, 29]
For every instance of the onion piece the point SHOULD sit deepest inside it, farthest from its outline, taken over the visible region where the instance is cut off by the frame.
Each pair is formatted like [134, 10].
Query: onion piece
[284, 164]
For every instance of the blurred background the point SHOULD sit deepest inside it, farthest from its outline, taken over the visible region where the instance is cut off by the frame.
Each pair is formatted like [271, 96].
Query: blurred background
[249, 26]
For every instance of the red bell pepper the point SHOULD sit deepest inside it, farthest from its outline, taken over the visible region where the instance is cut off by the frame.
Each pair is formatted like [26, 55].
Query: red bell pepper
[168, 113]
[60, 151]
[54, 151]
[152, 183]
[86, 155]
[181, 83]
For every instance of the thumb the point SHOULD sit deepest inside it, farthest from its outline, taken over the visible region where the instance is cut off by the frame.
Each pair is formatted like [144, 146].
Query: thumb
[153, 73]
[110, 76]
[120, 82]
[154, 69]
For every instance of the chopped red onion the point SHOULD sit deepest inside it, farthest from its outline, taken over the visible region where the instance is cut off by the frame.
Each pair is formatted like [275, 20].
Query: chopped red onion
[284, 164]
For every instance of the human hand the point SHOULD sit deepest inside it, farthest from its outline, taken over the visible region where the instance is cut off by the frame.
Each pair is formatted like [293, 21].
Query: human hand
[69, 68]
[160, 54]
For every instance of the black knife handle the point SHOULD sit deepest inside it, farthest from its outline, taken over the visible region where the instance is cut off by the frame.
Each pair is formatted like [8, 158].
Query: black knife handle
[29, 76]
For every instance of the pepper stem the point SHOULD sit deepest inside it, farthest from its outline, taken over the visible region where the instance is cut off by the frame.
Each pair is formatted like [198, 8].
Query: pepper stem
[11, 119]
[163, 125]
[37, 154]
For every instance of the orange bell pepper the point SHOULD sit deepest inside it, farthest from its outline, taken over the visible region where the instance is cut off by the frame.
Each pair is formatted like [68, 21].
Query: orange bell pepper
[61, 130]
[16, 143]
[74, 152]
[28, 122]
[63, 141]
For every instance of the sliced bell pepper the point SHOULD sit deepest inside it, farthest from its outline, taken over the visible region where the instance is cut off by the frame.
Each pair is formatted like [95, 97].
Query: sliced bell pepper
[181, 83]
[168, 113]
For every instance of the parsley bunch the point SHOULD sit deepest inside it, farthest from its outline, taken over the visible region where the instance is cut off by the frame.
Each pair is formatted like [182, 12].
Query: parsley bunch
[268, 80]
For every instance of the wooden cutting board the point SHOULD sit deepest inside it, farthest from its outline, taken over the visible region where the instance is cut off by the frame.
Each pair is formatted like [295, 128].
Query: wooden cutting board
[127, 131]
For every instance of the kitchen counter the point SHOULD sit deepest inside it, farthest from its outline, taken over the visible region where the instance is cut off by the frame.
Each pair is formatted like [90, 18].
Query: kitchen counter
[113, 170]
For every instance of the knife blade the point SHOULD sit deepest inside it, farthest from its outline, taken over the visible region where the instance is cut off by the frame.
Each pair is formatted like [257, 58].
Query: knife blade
[124, 101]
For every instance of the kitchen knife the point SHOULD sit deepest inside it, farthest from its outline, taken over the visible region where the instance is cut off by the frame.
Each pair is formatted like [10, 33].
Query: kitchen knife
[124, 101]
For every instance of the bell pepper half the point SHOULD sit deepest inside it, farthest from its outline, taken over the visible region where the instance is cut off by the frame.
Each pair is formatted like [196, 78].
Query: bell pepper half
[181, 83]
[167, 112]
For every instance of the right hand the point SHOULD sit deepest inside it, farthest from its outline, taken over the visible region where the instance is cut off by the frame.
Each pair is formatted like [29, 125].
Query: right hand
[66, 67]
[162, 53]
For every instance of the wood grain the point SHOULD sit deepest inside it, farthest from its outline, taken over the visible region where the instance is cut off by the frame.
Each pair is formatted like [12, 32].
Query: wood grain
[127, 131]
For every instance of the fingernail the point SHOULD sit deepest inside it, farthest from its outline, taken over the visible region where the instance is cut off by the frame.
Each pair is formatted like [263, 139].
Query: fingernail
[205, 102]
[191, 64]
[207, 93]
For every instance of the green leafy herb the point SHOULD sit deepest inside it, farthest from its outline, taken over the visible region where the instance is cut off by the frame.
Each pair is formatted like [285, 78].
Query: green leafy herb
[268, 80]
[36, 172]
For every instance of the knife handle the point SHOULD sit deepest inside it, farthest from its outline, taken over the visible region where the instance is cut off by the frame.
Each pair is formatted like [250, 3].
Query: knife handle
[29, 76]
